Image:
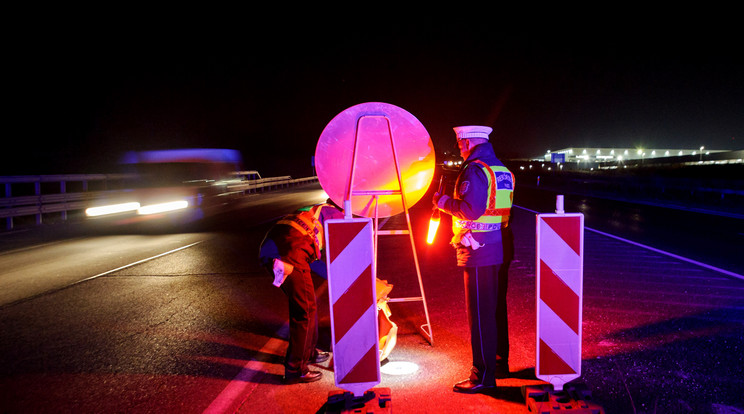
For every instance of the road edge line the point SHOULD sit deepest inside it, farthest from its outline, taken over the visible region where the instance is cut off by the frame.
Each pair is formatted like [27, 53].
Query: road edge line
[55, 290]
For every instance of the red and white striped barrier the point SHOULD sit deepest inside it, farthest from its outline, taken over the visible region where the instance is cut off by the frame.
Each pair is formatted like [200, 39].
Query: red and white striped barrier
[560, 268]
[353, 304]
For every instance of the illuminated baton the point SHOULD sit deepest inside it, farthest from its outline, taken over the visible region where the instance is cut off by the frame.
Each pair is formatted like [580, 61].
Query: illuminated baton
[435, 218]
[433, 226]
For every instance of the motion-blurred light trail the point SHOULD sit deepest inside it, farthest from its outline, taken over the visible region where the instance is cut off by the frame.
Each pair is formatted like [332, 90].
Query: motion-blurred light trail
[111, 209]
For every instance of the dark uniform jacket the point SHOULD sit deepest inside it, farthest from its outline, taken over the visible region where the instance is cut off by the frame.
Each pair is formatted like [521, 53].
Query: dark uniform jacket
[469, 203]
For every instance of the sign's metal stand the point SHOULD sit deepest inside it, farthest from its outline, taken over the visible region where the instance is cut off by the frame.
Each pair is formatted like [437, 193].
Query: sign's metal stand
[425, 328]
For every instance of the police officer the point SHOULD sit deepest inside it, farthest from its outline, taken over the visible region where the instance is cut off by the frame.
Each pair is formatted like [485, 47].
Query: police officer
[290, 249]
[480, 209]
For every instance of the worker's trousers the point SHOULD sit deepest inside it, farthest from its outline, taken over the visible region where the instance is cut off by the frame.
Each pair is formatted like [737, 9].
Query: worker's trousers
[485, 294]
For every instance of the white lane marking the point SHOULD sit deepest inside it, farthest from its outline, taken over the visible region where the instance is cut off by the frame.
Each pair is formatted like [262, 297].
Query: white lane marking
[707, 266]
[26, 299]
[246, 381]
[653, 249]
[135, 263]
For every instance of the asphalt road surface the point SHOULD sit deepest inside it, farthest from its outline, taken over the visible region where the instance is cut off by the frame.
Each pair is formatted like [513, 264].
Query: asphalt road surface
[187, 322]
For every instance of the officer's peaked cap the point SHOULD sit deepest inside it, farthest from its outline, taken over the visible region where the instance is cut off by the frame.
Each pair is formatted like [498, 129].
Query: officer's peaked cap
[472, 131]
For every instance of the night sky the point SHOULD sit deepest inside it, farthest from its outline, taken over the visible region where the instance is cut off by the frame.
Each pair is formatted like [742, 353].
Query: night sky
[81, 94]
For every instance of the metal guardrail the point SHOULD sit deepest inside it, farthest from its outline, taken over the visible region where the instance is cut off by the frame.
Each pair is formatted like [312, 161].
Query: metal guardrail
[40, 196]
[261, 184]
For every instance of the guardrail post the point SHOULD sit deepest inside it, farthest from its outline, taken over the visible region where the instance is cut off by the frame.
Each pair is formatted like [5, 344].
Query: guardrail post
[37, 190]
[62, 188]
[8, 220]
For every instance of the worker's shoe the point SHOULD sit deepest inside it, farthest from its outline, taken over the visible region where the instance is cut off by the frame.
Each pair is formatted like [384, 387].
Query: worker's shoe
[320, 357]
[470, 387]
[310, 376]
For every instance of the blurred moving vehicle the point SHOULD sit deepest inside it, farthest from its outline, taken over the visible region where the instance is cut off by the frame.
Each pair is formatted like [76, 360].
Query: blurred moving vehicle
[173, 186]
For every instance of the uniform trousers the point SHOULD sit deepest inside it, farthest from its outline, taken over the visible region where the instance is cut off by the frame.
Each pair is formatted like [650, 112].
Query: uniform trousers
[485, 294]
[303, 321]
[291, 246]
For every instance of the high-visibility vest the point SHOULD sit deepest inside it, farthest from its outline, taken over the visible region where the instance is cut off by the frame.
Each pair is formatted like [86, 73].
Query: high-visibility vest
[500, 196]
[308, 222]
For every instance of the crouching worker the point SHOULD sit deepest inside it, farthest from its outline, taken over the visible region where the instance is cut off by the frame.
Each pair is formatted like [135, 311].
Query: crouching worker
[287, 252]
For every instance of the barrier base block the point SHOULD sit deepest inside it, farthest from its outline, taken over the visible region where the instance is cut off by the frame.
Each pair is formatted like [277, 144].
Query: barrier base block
[374, 401]
[574, 399]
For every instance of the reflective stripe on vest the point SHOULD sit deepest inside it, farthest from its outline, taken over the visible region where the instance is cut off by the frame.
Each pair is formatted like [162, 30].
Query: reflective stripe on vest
[308, 222]
[499, 203]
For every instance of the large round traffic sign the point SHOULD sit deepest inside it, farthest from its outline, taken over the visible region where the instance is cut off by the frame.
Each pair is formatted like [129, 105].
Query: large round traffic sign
[370, 137]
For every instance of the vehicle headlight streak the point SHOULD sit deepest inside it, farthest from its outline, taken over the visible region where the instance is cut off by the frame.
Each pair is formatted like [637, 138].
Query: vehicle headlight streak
[163, 207]
[111, 209]
[134, 206]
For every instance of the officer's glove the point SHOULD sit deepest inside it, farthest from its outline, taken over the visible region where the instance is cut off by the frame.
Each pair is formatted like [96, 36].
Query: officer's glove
[468, 240]
[281, 271]
[439, 200]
